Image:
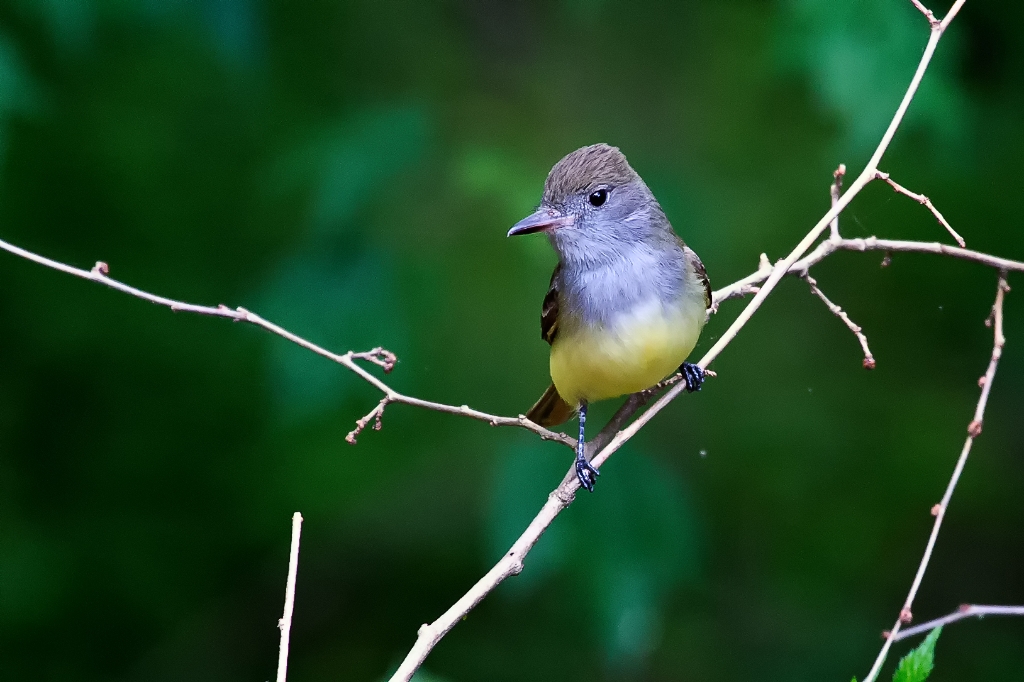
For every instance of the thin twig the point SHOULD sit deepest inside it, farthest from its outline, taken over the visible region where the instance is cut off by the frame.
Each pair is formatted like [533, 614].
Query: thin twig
[285, 624]
[965, 611]
[375, 415]
[393, 396]
[869, 359]
[378, 356]
[939, 510]
[826, 248]
[835, 238]
[633, 403]
[924, 201]
[928, 14]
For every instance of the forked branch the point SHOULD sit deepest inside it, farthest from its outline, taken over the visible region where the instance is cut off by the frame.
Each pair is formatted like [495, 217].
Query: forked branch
[965, 611]
[995, 319]
[924, 201]
[386, 360]
[869, 359]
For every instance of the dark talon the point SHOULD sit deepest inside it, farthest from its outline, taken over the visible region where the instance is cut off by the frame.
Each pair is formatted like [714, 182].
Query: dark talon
[586, 472]
[693, 375]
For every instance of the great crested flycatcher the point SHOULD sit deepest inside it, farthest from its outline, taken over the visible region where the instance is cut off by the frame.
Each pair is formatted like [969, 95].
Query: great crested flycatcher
[628, 299]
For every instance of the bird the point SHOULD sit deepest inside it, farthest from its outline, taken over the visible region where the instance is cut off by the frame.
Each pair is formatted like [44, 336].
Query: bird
[628, 298]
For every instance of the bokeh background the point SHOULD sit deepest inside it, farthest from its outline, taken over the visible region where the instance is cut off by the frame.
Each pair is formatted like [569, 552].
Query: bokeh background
[349, 170]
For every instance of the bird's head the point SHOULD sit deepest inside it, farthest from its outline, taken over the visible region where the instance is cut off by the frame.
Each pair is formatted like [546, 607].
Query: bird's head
[595, 204]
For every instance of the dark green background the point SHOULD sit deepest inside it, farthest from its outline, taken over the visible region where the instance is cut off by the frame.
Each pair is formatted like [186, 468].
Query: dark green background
[349, 170]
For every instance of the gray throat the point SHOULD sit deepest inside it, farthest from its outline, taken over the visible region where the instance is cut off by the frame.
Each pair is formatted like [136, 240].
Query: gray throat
[594, 290]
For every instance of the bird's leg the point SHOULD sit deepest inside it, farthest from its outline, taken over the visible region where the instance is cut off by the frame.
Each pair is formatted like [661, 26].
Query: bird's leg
[584, 469]
[693, 375]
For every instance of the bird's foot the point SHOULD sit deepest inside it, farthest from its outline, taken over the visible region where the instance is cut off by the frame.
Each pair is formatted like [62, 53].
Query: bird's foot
[586, 472]
[693, 375]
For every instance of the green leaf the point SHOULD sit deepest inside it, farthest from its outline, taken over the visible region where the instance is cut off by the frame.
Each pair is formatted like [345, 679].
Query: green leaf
[917, 665]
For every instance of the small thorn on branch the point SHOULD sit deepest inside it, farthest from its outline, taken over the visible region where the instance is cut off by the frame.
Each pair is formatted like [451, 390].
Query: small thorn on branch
[101, 269]
[379, 356]
[906, 616]
[869, 359]
[936, 508]
[924, 201]
[974, 428]
[374, 415]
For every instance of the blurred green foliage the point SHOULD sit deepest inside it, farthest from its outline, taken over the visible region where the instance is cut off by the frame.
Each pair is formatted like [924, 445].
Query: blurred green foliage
[348, 170]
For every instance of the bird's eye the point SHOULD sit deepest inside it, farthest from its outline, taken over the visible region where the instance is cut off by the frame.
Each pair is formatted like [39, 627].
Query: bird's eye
[598, 197]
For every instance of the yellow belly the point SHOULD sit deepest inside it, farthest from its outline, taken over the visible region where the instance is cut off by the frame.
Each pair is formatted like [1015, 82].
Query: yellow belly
[638, 350]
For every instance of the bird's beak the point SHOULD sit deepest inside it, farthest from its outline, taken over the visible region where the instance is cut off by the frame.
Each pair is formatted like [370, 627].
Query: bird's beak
[542, 220]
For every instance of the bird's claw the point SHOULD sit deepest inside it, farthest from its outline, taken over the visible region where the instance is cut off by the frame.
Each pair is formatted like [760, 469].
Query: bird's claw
[586, 472]
[693, 375]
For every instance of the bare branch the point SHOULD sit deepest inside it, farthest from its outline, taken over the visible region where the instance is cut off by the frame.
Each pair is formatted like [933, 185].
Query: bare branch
[835, 238]
[939, 510]
[285, 624]
[924, 201]
[965, 611]
[633, 403]
[382, 359]
[375, 414]
[742, 287]
[869, 360]
[378, 356]
[827, 248]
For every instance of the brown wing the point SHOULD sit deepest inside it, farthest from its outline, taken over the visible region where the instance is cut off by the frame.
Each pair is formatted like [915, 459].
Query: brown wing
[549, 311]
[702, 276]
[551, 409]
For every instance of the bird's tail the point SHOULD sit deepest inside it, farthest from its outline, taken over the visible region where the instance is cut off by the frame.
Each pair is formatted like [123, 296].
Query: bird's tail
[551, 409]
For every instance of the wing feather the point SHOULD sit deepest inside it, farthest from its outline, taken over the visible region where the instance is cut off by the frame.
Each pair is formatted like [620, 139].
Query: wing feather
[549, 311]
[702, 276]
